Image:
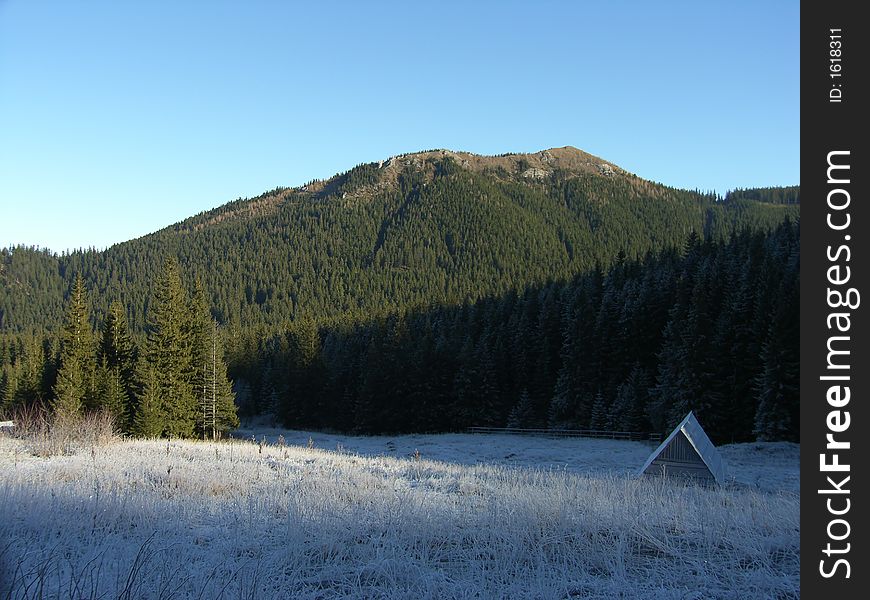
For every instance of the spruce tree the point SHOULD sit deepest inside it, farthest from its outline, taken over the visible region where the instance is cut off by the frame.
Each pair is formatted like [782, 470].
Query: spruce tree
[74, 386]
[198, 331]
[117, 359]
[170, 354]
[547, 343]
[371, 385]
[487, 391]
[523, 412]
[113, 396]
[219, 399]
[631, 398]
[148, 421]
[778, 385]
[560, 414]
[464, 386]
[305, 372]
[216, 408]
[31, 366]
[601, 418]
[7, 388]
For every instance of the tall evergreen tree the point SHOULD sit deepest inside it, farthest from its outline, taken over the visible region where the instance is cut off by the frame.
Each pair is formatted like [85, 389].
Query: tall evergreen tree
[117, 359]
[523, 412]
[7, 388]
[197, 329]
[31, 366]
[170, 354]
[75, 380]
[631, 398]
[218, 400]
[601, 418]
[148, 420]
[305, 373]
[778, 385]
[112, 396]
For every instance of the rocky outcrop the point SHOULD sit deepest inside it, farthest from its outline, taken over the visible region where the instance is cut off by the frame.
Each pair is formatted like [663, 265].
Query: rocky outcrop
[535, 173]
[606, 169]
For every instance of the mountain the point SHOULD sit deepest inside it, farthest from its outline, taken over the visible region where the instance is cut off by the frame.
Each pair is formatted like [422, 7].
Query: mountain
[428, 228]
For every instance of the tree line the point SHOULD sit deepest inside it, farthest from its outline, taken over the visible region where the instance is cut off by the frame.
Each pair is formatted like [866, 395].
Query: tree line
[772, 195]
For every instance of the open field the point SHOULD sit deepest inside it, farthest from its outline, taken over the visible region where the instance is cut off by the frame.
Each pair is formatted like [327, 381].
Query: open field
[772, 466]
[366, 518]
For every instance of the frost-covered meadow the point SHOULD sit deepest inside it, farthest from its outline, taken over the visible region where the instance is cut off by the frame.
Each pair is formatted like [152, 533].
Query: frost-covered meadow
[451, 516]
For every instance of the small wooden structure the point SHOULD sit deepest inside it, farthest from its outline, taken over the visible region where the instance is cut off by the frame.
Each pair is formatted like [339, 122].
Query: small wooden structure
[687, 453]
[9, 424]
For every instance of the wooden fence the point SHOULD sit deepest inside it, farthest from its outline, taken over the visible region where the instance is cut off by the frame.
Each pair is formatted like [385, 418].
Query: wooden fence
[634, 436]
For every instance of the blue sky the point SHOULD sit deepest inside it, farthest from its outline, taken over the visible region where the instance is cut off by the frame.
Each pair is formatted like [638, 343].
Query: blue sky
[119, 118]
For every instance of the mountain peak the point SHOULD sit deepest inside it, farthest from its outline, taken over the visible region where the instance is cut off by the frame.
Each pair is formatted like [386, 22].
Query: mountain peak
[530, 165]
[523, 166]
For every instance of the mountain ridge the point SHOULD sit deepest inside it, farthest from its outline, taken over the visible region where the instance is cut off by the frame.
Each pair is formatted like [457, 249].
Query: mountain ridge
[530, 166]
[430, 226]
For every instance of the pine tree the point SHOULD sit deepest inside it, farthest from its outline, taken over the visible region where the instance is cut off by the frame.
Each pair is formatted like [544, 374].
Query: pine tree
[75, 380]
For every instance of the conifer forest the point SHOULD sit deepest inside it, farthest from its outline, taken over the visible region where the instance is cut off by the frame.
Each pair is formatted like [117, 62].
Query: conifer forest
[430, 292]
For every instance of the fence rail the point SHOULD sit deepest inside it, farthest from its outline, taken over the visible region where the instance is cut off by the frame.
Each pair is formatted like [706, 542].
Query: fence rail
[634, 436]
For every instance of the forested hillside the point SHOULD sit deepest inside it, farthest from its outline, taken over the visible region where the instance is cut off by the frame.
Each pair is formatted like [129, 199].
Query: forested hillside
[710, 327]
[440, 289]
